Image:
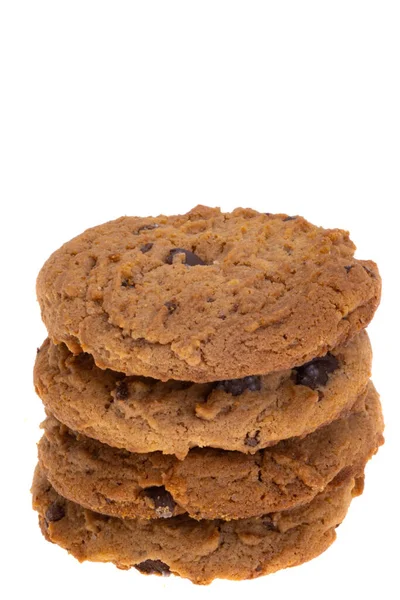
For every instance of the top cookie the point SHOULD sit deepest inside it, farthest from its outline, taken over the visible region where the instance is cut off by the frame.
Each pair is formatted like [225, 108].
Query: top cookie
[206, 295]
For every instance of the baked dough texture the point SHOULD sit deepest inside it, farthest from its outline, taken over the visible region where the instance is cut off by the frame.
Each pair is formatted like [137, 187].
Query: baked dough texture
[206, 382]
[145, 415]
[210, 483]
[207, 295]
[198, 550]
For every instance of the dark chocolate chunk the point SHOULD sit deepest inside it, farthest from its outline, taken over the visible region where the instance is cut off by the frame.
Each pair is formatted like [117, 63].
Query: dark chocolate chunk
[122, 390]
[236, 387]
[191, 259]
[172, 306]
[290, 218]
[146, 228]
[316, 372]
[37, 350]
[164, 503]
[146, 247]
[55, 512]
[369, 271]
[269, 525]
[252, 440]
[153, 567]
[128, 282]
[349, 267]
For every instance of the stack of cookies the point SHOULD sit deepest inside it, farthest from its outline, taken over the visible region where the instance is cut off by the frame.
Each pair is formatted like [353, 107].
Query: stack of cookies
[206, 385]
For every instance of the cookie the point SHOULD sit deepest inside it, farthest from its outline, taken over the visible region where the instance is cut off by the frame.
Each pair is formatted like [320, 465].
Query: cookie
[145, 415]
[210, 483]
[199, 550]
[207, 295]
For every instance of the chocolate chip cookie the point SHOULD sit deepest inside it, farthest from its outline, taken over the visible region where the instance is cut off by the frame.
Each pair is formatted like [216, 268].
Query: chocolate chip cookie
[145, 415]
[210, 483]
[198, 550]
[207, 295]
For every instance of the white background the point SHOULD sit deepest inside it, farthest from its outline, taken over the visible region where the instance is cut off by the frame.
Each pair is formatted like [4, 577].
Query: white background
[112, 108]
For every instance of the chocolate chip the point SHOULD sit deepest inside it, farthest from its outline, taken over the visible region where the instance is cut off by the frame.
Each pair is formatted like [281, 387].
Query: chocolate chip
[268, 524]
[349, 267]
[153, 567]
[252, 440]
[55, 512]
[369, 271]
[37, 350]
[164, 503]
[290, 218]
[128, 282]
[316, 372]
[236, 387]
[210, 299]
[146, 228]
[191, 259]
[146, 247]
[122, 390]
[172, 306]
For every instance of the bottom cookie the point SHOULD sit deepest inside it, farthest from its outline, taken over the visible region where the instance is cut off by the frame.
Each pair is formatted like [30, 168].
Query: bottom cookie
[198, 550]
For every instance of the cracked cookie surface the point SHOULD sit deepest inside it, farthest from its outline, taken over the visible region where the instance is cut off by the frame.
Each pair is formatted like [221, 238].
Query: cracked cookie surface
[198, 550]
[207, 295]
[144, 415]
[210, 483]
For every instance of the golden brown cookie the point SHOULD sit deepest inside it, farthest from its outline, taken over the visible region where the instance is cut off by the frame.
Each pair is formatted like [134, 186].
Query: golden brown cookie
[199, 550]
[207, 295]
[144, 415]
[209, 483]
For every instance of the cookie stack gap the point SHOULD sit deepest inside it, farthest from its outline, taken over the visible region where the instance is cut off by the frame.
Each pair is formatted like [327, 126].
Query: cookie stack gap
[206, 384]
